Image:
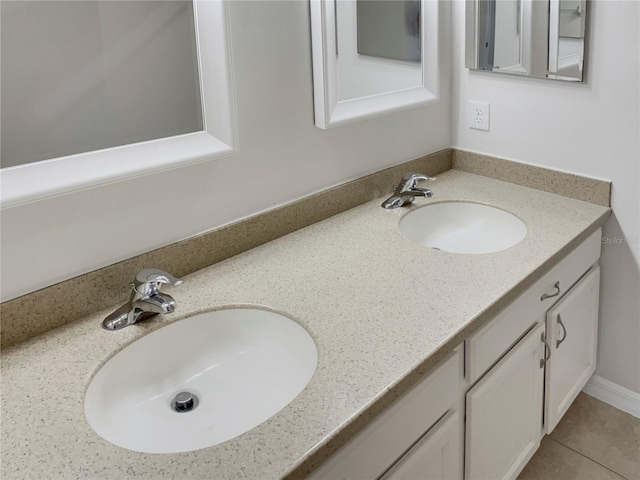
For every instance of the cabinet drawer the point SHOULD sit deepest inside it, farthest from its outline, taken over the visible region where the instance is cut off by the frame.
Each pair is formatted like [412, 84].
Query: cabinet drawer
[372, 451]
[486, 346]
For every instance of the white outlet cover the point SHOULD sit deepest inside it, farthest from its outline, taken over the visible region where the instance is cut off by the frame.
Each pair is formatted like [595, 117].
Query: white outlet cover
[478, 115]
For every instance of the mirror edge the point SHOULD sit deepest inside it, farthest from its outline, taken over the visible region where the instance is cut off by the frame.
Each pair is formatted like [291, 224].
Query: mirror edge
[470, 40]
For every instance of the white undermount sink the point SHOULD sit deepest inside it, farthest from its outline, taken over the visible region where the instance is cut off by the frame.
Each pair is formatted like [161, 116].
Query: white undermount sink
[463, 227]
[233, 369]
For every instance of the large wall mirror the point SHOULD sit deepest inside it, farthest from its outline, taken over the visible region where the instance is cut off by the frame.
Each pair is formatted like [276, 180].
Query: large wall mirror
[100, 91]
[538, 38]
[372, 57]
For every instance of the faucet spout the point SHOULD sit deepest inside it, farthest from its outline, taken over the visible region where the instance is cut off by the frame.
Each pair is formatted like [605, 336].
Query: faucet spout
[156, 304]
[123, 317]
[407, 191]
[145, 300]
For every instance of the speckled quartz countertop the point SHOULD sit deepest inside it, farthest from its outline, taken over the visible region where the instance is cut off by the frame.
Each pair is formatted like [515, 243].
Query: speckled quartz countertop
[380, 308]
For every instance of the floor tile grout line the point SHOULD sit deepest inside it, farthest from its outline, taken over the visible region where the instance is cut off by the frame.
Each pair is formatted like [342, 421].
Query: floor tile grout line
[587, 457]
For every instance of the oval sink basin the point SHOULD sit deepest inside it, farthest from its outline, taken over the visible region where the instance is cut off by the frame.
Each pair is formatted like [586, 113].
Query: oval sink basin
[200, 381]
[462, 227]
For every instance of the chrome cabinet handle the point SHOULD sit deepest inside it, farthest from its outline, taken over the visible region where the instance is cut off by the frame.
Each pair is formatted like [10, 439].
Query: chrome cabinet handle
[547, 350]
[564, 331]
[557, 292]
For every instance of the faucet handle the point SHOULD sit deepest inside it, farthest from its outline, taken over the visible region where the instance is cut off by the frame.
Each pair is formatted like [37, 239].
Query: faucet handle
[411, 179]
[156, 275]
[149, 281]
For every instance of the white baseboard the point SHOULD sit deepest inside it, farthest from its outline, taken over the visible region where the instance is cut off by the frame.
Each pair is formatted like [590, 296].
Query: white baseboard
[613, 394]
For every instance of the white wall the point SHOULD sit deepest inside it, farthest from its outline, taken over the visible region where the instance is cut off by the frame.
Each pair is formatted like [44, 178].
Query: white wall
[283, 156]
[592, 129]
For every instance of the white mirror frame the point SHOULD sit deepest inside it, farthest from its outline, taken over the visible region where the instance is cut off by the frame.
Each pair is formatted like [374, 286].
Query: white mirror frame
[329, 111]
[36, 181]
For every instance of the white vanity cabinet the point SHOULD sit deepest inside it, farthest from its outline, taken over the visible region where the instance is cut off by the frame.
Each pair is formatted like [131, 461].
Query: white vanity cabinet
[522, 371]
[550, 336]
[418, 436]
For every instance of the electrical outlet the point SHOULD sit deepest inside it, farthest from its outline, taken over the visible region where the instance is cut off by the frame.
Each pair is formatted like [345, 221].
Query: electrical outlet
[479, 115]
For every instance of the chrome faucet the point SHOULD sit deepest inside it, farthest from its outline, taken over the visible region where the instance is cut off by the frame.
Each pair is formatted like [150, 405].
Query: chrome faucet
[407, 191]
[145, 301]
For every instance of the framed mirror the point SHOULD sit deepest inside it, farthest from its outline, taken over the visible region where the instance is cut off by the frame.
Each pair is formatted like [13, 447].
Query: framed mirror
[372, 57]
[537, 38]
[95, 92]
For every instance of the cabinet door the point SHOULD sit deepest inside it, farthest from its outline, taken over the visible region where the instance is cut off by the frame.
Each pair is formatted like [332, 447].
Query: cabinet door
[436, 456]
[572, 327]
[504, 412]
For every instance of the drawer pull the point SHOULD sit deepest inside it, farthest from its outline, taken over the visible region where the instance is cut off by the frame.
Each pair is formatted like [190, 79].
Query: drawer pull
[547, 350]
[557, 292]
[564, 331]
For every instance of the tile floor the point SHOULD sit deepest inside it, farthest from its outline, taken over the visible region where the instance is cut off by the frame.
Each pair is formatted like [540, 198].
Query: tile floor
[594, 441]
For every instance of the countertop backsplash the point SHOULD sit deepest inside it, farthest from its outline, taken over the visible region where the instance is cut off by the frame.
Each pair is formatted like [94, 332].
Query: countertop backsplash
[51, 307]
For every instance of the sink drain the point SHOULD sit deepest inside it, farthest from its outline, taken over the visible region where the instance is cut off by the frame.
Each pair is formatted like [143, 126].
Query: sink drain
[184, 402]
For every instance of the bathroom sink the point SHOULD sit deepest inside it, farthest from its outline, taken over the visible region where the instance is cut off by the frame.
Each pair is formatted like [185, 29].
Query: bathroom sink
[463, 227]
[200, 381]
